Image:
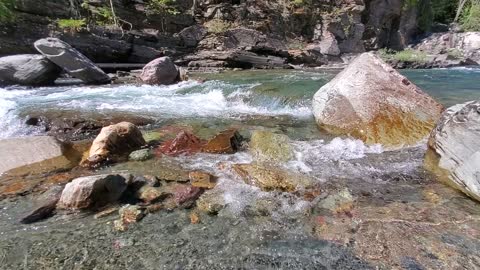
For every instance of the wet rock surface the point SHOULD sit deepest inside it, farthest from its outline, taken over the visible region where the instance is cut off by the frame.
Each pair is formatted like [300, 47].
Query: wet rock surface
[112, 142]
[371, 101]
[454, 148]
[30, 155]
[93, 191]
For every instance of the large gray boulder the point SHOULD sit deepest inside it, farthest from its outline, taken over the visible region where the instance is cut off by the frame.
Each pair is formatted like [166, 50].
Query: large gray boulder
[454, 148]
[160, 71]
[92, 191]
[71, 60]
[33, 155]
[371, 101]
[28, 69]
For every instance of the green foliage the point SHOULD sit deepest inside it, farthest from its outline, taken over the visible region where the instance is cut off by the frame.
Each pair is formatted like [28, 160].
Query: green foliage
[103, 16]
[162, 7]
[407, 55]
[470, 20]
[218, 26]
[6, 11]
[71, 24]
[444, 10]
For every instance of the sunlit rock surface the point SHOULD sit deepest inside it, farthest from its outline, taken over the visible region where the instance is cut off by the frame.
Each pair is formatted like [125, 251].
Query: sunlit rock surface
[33, 155]
[371, 101]
[454, 148]
[112, 141]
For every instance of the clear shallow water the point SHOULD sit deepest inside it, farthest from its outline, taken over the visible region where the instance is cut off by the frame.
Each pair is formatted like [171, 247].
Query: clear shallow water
[401, 218]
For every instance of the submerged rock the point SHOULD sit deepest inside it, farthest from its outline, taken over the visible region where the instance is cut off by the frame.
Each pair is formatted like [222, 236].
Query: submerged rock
[186, 196]
[270, 178]
[34, 155]
[160, 71]
[128, 214]
[202, 179]
[184, 143]
[226, 142]
[92, 191]
[140, 155]
[454, 148]
[28, 69]
[266, 146]
[338, 202]
[211, 202]
[71, 60]
[371, 101]
[114, 141]
[48, 204]
[150, 194]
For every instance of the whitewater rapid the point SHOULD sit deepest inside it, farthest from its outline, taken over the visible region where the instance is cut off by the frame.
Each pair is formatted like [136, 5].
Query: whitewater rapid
[189, 99]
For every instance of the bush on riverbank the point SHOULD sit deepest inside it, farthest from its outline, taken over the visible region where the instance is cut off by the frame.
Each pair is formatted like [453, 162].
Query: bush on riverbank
[407, 55]
[6, 13]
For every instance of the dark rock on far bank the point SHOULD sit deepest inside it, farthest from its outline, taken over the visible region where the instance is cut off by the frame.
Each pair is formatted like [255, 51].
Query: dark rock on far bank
[28, 69]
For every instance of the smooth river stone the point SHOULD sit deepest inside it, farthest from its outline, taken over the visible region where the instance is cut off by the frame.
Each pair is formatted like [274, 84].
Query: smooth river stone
[454, 148]
[371, 101]
[33, 155]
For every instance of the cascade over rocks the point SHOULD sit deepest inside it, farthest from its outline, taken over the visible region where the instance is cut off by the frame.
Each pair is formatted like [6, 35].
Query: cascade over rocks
[454, 148]
[113, 142]
[28, 69]
[71, 60]
[371, 101]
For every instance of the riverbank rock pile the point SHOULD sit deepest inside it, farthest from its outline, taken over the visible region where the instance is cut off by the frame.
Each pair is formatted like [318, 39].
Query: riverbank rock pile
[454, 148]
[371, 101]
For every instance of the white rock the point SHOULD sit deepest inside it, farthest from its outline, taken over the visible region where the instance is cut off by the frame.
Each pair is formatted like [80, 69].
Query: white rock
[454, 148]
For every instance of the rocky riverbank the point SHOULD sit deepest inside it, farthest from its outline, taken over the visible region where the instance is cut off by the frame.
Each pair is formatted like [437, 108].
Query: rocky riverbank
[206, 35]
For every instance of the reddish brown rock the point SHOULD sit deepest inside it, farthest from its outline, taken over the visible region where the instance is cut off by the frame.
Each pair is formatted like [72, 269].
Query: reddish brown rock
[186, 195]
[184, 143]
[226, 142]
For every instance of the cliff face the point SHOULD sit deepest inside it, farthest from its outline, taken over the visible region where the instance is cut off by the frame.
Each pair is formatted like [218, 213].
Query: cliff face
[194, 32]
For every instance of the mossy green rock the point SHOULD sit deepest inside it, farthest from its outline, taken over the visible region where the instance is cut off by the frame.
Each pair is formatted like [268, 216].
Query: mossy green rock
[266, 146]
[140, 155]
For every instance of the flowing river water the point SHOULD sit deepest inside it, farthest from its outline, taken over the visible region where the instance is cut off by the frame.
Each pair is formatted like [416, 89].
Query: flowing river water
[398, 216]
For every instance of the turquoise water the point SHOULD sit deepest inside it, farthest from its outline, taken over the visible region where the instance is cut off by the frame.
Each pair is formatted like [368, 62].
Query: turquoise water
[282, 96]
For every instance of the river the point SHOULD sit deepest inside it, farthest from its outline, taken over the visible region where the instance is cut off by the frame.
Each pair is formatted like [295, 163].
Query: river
[401, 217]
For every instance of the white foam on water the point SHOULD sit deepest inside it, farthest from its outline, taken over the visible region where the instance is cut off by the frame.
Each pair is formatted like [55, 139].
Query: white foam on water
[10, 124]
[186, 99]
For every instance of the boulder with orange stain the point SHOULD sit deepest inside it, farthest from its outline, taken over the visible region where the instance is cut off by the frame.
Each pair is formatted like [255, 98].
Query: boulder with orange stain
[371, 101]
[114, 141]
